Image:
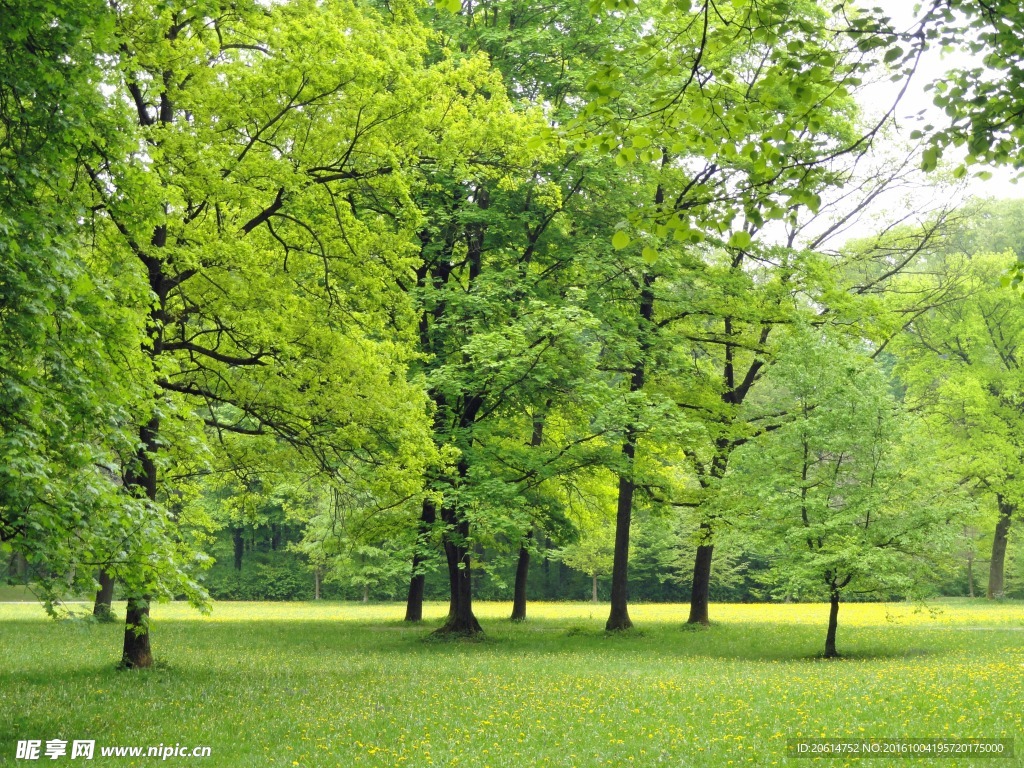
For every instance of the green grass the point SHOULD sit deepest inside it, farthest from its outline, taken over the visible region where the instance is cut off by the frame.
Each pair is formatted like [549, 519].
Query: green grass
[329, 684]
[16, 593]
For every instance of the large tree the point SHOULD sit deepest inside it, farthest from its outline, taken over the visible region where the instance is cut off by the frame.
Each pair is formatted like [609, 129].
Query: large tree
[64, 410]
[261, 210]
[961, 365]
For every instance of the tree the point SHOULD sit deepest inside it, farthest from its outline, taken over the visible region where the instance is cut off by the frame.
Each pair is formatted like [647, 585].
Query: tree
[850, 495]
[960, 365]
[249, 212]
[504, 331]
[592, 552]
[64, 409]
[732, 127]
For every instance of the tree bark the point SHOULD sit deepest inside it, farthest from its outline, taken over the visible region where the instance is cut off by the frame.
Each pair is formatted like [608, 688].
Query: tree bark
[417, 583]
[366, 593]
[522, 572]
[104, 596]
[618, 618]
[461, 620]
[593, 595]
[136, 653]
[316, 583]
[701, 588]
[141, 478]
[239, 543]
[833, 623]
[523, 566]
[997, 564]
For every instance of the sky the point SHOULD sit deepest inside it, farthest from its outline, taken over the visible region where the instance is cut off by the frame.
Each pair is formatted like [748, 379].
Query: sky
[919, 195]
[933, 65]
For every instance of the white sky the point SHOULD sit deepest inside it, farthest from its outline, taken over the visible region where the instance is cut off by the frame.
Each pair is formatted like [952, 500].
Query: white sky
[933, 65]
[918, 195]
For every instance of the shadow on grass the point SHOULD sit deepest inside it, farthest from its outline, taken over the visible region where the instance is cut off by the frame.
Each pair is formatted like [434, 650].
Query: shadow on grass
[90, 650]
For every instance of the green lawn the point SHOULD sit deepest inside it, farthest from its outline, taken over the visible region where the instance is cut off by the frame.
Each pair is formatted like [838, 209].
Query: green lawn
[16, 593]
[329, 684]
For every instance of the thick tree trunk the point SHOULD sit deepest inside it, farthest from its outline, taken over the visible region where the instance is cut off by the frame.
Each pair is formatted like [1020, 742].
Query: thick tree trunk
[522, 572]
[366, 593]
[417, 582]
[141, 477]
[593, 594]
[316, 583]
[136, 653]
[414, 601]
[997, 564]
[104, 596]
[833, 623]
[701, 589]
[239, 543]
[461, 620]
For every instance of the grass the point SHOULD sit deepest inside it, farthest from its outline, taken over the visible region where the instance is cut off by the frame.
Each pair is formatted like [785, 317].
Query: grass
[331, 684]
[16, 593]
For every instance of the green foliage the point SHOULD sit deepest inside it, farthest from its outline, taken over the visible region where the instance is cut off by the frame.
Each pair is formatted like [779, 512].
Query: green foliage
[65, 409]
[262, 581]
[850, 492]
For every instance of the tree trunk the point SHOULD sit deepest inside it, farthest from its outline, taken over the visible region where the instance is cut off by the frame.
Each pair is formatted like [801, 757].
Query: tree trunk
[593, 594]
[970, 574]
[136, 653]
[316, 583]
[522, 571]
[833, 623]
[701, 589]
[997, 564]
[414, 602]
[275, 537]
[619, 617]
[366, 593]
[523, 566]
[141, 477]
[104, 596]
[417, 583]
[461, 620]
[239, 542]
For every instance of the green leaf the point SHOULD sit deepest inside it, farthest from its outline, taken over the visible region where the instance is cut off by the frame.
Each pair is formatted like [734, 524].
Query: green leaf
[739, 239]
[650, 255]
[620, 240]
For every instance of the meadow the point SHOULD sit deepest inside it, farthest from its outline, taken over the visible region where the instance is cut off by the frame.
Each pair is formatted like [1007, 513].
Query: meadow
[339, 684]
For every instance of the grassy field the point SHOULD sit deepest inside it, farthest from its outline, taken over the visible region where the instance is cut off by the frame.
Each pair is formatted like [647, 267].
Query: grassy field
[329, 684]
[16, 593]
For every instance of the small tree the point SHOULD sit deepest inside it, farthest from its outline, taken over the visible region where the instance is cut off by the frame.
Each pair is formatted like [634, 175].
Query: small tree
[591, 554]
[846, 495]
